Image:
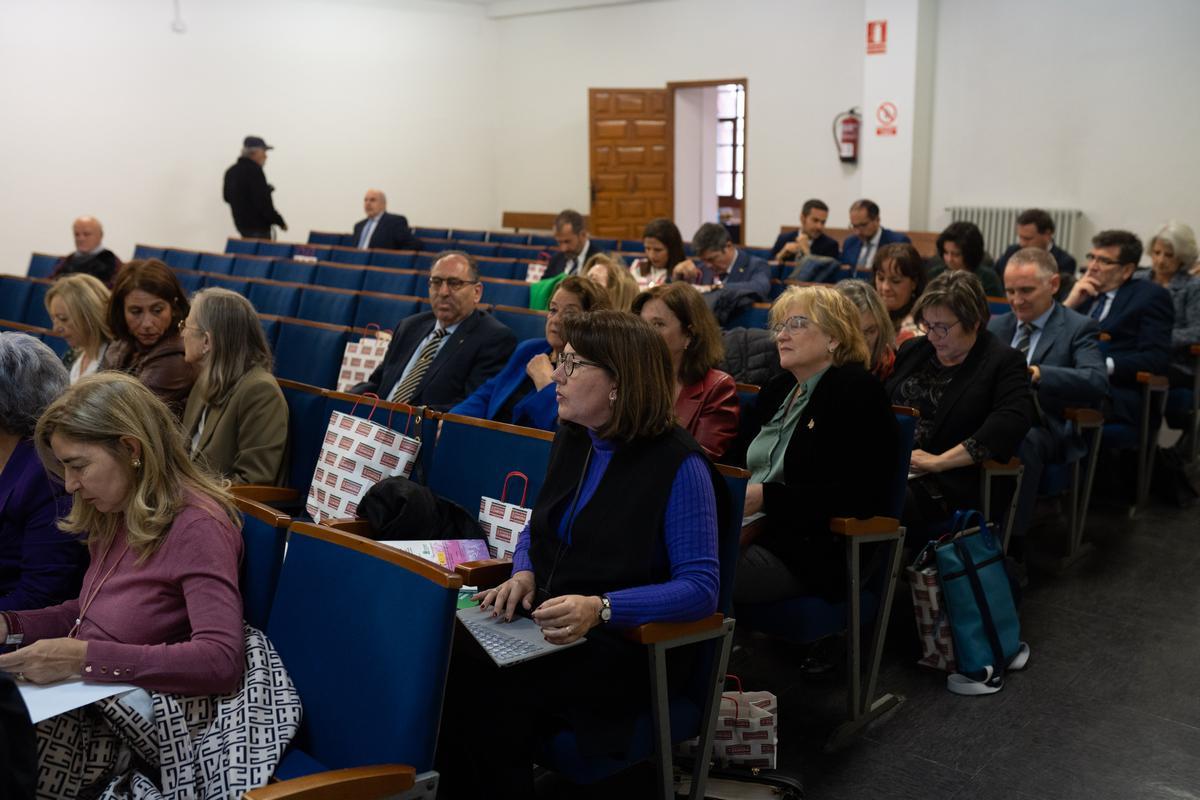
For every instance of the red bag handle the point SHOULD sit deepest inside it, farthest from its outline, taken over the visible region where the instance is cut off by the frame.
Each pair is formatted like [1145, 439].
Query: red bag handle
[378, 328]
[407, 422]
[524, 492]
[374, 405]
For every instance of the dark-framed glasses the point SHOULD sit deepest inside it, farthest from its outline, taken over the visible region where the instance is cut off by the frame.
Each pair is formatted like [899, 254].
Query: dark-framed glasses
[941, 329]
[455, 284]
[794, 324]
[567, 362]
[1103, 261]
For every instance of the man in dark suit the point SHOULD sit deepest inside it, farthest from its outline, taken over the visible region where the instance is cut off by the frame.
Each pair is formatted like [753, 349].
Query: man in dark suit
[439, 357]
[869, 235]
[249, 194]
[1035, 228]
[574, 246]
[810, 239]
[1066, 368]
[90, 255]
[1137, 315]
[723, 266]
[381, 230]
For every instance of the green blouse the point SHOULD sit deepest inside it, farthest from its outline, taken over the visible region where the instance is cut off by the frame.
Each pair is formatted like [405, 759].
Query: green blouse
[764, 458]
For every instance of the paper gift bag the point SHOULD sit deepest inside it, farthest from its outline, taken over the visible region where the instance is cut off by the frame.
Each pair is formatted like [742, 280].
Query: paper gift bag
[362, 357]
[747, 729]
[356, 454]
[503, 521]
[933, 623]
[534, 271]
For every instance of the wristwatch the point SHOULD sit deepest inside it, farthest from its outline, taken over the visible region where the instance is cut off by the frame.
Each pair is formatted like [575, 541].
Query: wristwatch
[605, 609]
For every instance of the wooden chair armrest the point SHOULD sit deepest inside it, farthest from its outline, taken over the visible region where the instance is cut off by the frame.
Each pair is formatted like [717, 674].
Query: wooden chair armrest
[995, 467]
[1157, 383]
[1085, 417]
[654, 632]
[486, 573]
[364, 783]
[261, 493]
[359, 527]
[1195, 350]
[872, 526]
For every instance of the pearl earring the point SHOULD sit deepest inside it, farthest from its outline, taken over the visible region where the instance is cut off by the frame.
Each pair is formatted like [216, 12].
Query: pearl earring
[136, 463]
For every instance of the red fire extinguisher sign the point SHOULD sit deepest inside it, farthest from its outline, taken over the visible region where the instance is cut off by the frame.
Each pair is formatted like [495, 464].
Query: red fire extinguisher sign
[876, 37]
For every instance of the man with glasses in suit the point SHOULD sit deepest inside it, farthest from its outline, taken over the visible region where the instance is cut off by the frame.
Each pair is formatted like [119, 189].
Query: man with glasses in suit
[858, 251]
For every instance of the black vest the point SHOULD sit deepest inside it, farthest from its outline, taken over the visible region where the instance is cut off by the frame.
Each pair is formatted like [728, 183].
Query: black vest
[617, 537]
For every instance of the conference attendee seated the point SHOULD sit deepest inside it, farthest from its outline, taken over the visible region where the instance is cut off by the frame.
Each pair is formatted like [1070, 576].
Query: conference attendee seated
[859, 249]
[875, 324]
[664, 250]
[960, 247]
[810, 239]
[609, 271]
[1035, 228]
[90, 256]
[574, 246]
[972, 391]
[380, 229]
[523, 392]
[78, 309]
[827, 448]
[159, 608]
[439, 357]
[144, 313]
[1138, 316]
[706, 401]
[900, 278]
[1066, 368]
[1172, 249]
[624, 532]
[236, 420]
[723, 266]
[39, 564]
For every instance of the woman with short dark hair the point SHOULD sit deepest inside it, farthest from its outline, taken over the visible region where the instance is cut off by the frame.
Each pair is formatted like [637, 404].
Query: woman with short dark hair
[144, 313]
[624, 532]
[960, 247]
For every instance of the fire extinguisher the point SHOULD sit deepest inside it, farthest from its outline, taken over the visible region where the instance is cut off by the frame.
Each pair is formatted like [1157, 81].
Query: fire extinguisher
[845, 135]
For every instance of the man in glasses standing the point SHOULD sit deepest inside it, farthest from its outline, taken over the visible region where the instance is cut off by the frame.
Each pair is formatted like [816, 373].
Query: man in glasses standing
[1137, 315]
[438, 357]
[859, 250]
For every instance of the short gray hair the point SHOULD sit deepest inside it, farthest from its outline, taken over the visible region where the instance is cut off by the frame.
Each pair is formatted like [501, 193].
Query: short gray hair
[1182, 241]
[31, 378]
[1047, 267]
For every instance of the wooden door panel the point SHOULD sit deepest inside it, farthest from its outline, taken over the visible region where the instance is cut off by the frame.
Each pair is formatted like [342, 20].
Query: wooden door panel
[631, 168]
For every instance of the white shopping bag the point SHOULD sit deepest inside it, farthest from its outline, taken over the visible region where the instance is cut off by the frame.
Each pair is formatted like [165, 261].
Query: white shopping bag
[534, 271]
[747, 729]
[362, 357]
[503, 521]
[356, 454]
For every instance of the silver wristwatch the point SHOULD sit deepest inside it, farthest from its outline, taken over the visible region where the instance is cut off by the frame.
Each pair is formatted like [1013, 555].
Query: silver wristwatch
[605, 609]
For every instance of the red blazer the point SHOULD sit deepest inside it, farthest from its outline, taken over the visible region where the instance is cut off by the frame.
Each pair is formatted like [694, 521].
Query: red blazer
[709, 410]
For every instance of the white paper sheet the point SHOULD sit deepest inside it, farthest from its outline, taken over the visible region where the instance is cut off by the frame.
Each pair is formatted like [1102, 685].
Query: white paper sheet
[50, 699]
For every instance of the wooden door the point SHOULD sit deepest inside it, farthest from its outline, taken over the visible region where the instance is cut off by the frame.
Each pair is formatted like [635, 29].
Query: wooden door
[630, 144]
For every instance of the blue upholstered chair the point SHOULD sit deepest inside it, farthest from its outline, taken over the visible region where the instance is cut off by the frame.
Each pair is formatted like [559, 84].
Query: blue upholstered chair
[190, 280]
[274, 249]
[467, 236]
[754, 316]
[328, 305]
[472, 457]
[601, 245]
[310, 352]
[256, 267]
[264, 536]
[526, 323]
[390, 281]
[270, 329]
[241, 247]
[41, 265]
[239, 285]
[14, 297]
[349, 255]
[279, 299]
[508, 238]
[431, 233]
[293, 271]
[506, 293]
[339, 276]
[498, 269]
[384, 310]
[394, 259]
[182, 259]
[215, 262]
[326, 238]
[147, 251]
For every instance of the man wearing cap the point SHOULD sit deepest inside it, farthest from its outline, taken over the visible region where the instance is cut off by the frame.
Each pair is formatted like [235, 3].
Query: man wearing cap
[249, 194]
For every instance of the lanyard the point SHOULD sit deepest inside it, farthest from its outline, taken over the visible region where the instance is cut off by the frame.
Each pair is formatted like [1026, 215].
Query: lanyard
[87, 602]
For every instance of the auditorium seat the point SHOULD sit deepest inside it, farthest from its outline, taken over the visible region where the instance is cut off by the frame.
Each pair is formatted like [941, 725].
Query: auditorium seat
[633, 246]
[601, 245]
[41, 265]
[326, 238]
[274, 249]
[338, 276]
[310, 352]
[307, 421]
[395, 259]
[435, 246]
[328, 305]
[14, 297]
[504, 270]
[477, 248]
[759, 252]
[182, 259]
[384, 310]
[264, 538]
[754, 316]
[473, 456]
[307, 252]
[190, 280]
[215, 262]
[424, 261]
[431, 233]
[35, 305]
[270, 328]
[252, 267]
[524, 322]
[349, 255]
[294, 271]
[143, 251]
[243, 247]
[508, 238]
[467, 236]
[278, 299]
[506, 293]
[519, 251]
[541, 240]
[232, 284]
[421, 287]
[388, 281]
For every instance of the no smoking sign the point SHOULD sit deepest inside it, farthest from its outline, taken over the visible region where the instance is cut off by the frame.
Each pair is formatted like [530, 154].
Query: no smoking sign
[886, 116]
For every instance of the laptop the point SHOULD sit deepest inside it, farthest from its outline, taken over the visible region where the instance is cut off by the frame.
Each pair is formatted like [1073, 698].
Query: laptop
[509, 643]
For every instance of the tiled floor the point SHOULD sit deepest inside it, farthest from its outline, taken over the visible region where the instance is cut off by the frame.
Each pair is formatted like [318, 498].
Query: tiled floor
[1109, 706]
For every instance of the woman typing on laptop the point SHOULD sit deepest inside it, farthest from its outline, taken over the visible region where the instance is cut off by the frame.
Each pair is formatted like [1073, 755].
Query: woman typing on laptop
[624, 532]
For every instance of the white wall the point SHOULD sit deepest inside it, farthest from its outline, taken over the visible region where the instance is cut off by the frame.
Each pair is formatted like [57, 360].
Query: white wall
[108, 112]
[1085, 104]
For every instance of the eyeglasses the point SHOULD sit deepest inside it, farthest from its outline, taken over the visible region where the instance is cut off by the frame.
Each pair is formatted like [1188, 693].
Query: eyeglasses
[858, 226]
[1103, 260]
[567, 362]
[794, 324]
[454, 283]
[940, 328]
[183, 327]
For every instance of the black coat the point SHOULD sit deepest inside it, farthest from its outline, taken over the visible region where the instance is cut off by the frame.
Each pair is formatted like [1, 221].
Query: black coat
[103, 265]
[249, 196]
[391, 233]
[840, 462]
[989, 398]
[18, 747]
[478, 349]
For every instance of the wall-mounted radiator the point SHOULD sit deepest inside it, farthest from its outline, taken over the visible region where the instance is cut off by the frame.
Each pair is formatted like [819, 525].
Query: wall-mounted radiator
[999, 225]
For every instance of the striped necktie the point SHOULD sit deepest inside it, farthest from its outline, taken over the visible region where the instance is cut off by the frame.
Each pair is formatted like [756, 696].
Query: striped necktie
[1027, 330]
[1098, 308]
[407, 387]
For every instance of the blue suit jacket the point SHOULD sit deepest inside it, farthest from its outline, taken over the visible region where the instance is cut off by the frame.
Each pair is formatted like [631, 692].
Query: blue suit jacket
[854, 244]
[747, 275]
[392, 233]
[823, 245]
[1066, 262]
[537, 409]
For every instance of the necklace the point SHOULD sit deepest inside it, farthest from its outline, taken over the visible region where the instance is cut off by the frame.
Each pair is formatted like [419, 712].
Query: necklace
[87, 603]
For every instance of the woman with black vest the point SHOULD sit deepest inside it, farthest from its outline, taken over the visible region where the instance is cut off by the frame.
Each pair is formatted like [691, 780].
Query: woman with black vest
[624, 532]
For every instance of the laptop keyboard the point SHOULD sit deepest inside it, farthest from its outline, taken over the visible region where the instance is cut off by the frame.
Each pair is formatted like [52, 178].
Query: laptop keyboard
[498, 645]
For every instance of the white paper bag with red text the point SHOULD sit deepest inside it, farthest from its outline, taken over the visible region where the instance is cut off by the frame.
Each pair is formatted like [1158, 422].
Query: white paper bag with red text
[747, 730]
[361, 358]
[356, 454]
[503, 521]
[534, 271]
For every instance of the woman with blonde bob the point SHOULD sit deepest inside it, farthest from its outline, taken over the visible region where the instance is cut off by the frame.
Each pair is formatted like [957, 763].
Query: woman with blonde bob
[78, 309]
[236, 419]
[609, 270]
[826, 449]
[159, 607]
